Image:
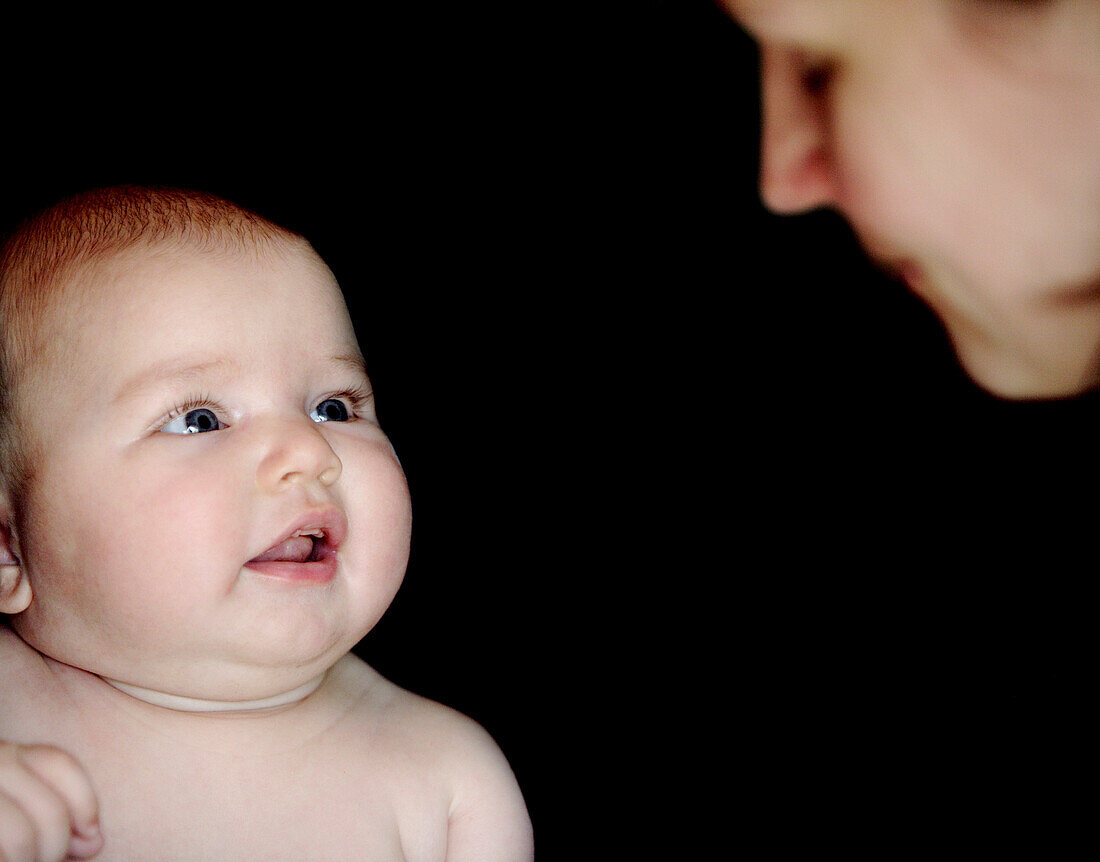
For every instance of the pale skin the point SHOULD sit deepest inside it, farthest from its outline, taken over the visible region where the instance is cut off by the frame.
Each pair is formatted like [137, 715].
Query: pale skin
[960, 140]
[139, 603]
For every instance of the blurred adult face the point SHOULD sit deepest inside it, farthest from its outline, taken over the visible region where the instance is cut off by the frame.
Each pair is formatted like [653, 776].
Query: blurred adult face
[961, 139]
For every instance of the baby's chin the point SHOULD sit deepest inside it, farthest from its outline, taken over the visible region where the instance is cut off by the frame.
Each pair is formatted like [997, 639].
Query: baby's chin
[213, 689]
[271, 703]
[258, 676]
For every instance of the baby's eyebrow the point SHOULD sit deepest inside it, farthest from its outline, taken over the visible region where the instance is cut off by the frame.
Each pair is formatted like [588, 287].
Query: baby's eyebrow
[178, 370]
[171, 370]
[352, 361]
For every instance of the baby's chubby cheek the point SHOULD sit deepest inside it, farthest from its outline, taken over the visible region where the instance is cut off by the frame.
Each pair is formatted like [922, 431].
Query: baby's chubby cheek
[167, 527]
[379, 513]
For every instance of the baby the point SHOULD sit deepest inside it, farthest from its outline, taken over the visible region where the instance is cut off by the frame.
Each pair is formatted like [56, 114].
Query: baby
[199, 517]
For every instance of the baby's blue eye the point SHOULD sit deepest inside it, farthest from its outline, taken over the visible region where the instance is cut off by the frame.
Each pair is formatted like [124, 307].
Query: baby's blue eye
[331, 410]
[194, 422]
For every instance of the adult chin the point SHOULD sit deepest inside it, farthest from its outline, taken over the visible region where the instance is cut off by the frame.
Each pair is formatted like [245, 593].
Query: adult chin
[1009, 375]
[1016, 347]
[1057, 358]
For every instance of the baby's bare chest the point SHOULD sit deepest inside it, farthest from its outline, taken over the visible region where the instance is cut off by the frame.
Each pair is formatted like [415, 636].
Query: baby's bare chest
[166, 798]
[301, 805]
[199, 816]
[342, 786]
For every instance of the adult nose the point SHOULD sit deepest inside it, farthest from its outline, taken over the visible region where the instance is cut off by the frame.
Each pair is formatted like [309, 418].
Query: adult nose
[297, 453]
[796, 170]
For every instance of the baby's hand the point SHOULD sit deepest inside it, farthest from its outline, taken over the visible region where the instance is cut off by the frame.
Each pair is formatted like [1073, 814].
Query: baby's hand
[48, 808]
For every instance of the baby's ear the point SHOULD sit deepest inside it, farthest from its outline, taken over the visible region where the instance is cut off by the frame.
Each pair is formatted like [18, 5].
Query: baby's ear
[15, 588]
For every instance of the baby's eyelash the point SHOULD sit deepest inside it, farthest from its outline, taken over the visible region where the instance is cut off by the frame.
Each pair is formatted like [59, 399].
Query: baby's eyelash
[186, 406]
[357, 398]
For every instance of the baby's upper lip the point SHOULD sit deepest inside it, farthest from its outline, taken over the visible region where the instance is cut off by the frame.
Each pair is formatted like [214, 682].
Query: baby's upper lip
[329, 522]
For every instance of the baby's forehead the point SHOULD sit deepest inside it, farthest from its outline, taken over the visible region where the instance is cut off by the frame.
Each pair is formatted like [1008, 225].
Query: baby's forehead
[160, 271]
[229, 293]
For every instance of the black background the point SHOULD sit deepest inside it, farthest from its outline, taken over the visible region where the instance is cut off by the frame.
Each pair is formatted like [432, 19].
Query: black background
[710, 531]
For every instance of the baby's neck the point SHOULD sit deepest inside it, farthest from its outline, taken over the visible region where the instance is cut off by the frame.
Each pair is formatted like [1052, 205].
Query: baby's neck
[180, 703]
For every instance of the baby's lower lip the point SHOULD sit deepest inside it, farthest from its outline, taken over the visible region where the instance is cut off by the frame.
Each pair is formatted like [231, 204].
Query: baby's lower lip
[320, 572]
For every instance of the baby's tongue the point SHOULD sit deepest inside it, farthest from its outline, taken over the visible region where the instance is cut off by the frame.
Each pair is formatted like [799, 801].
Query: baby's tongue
[296, 550]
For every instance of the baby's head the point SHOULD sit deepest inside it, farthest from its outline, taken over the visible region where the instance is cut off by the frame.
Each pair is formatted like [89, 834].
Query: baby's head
[197, 498]
[49, 268]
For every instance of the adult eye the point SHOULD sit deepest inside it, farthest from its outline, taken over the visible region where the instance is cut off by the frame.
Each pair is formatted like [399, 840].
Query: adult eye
[196, 421]
[330, 410]
[817, 77]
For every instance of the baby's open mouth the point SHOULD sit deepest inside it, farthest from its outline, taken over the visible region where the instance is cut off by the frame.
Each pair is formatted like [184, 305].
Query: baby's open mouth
[307, 551]
[302, 547]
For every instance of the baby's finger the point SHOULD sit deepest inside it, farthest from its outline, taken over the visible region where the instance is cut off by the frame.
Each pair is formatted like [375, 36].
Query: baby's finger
[64, 774]
[46, 823]
[18, 836]
[84, 846]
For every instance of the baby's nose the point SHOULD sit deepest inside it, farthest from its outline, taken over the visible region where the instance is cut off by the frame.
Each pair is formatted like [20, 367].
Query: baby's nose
[297, 453]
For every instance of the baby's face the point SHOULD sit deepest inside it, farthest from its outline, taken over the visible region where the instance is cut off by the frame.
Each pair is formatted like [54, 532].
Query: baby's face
[204, 413]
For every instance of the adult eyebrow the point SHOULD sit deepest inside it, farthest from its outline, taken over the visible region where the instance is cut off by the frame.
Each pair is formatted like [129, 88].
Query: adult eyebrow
[176, 370]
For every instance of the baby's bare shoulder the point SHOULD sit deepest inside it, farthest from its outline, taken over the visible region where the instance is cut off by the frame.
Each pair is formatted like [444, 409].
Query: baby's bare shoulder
[426, 734]
[440, 748]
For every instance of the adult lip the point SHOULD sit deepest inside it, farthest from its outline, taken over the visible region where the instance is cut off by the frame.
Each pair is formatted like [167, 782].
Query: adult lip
[911, 273]
[891, 259]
